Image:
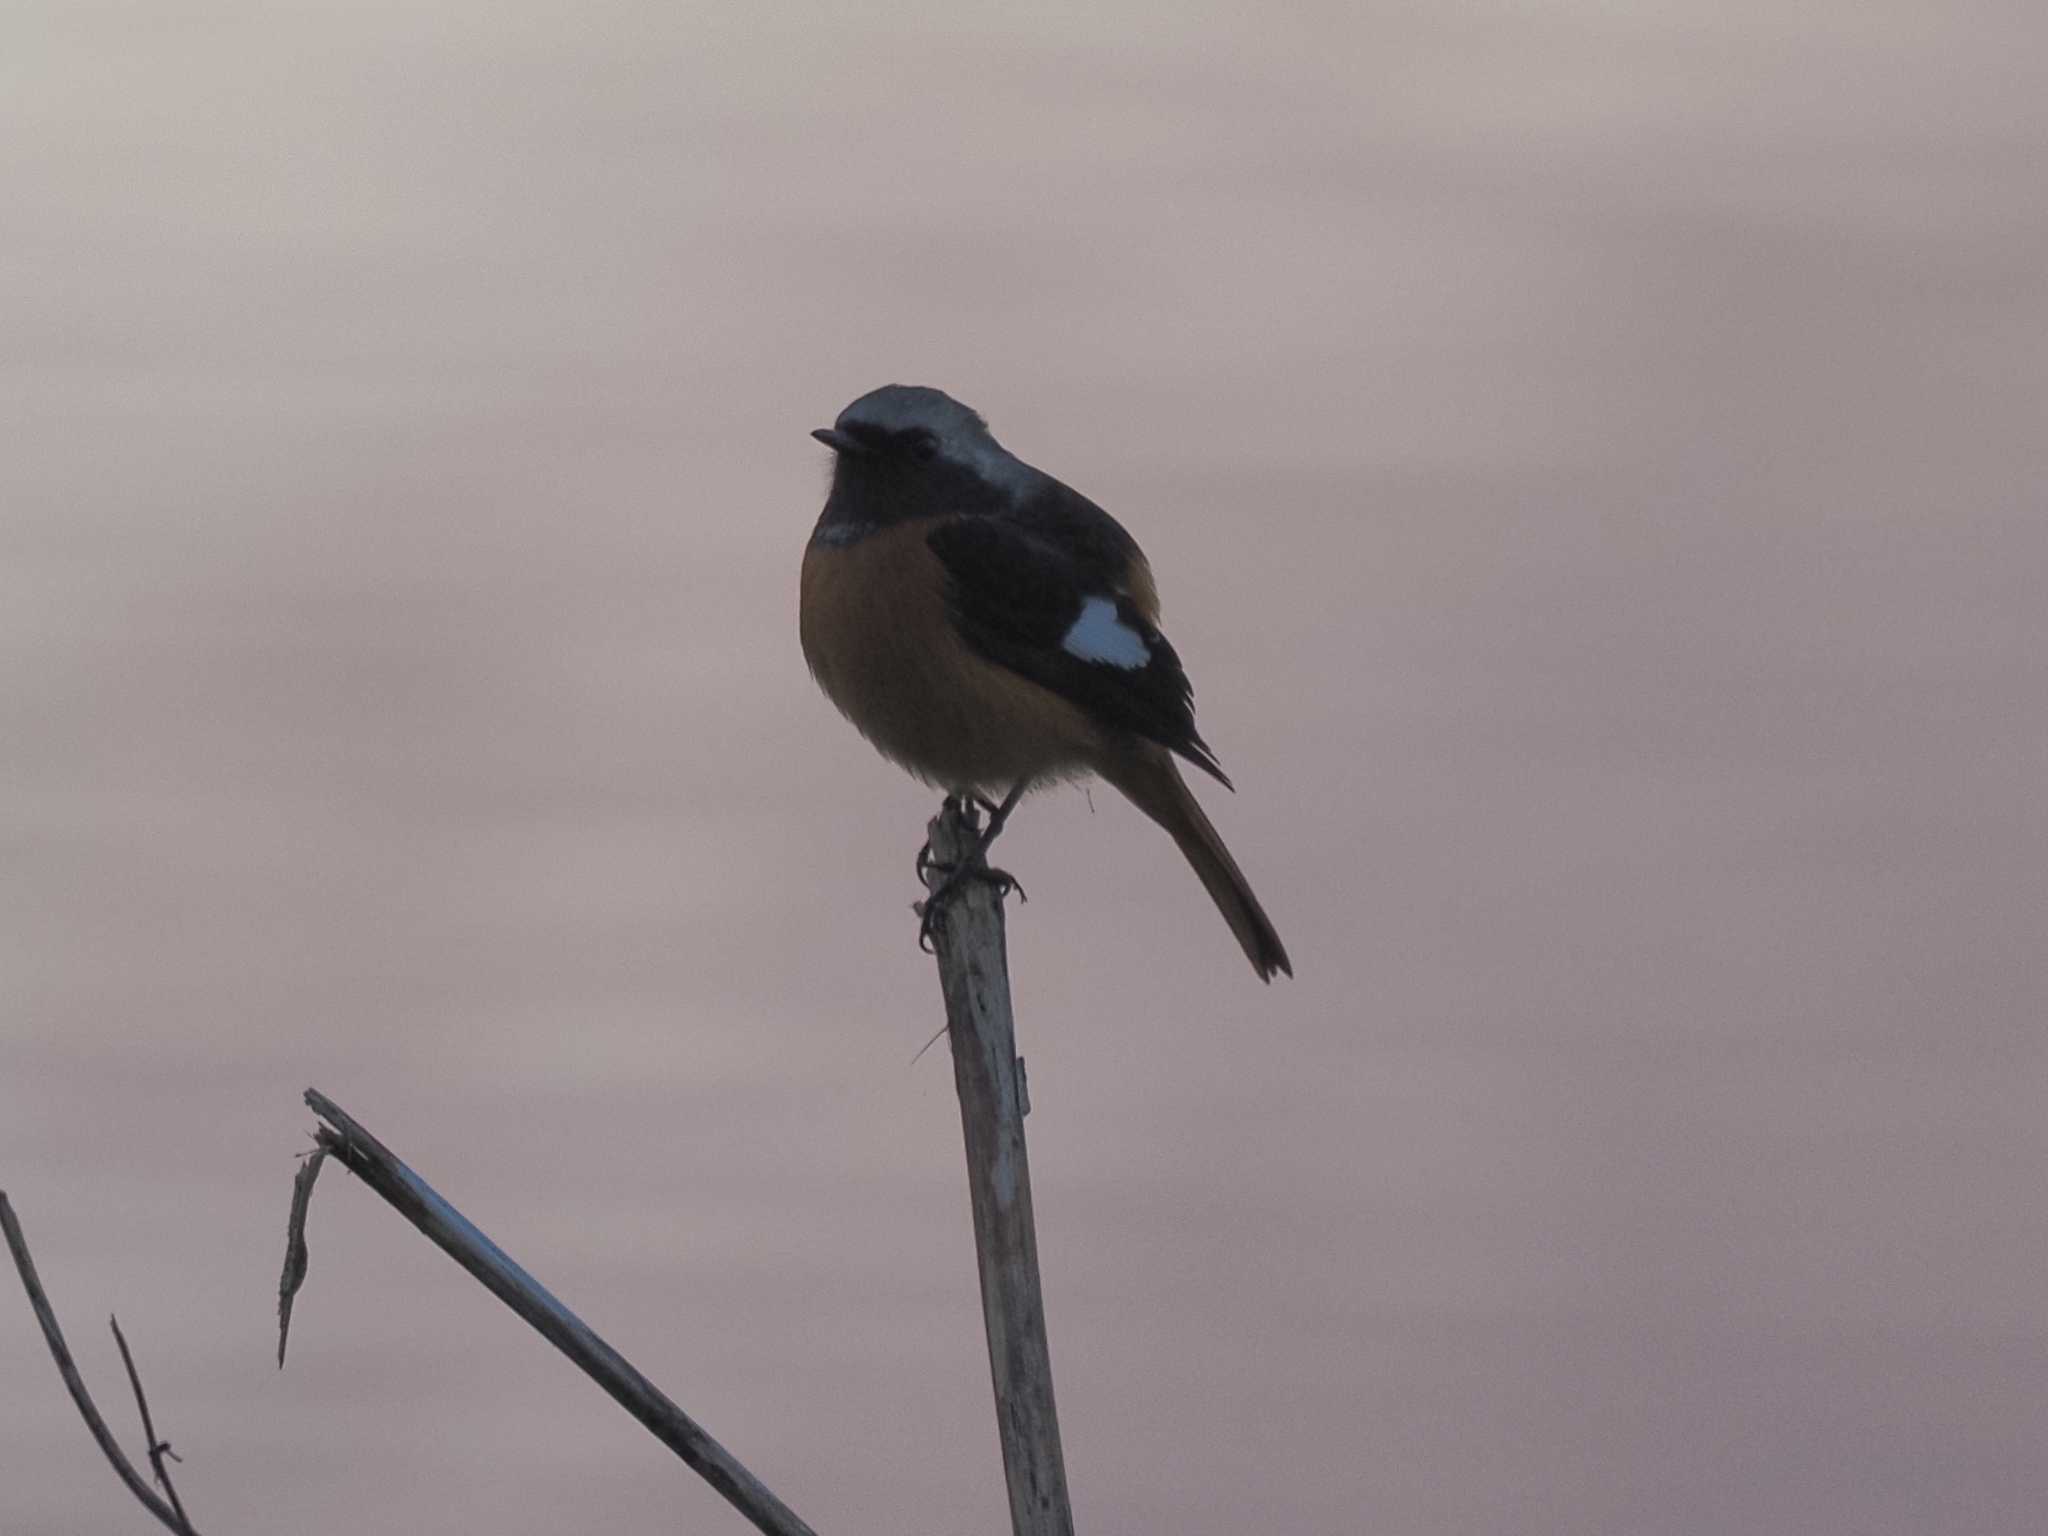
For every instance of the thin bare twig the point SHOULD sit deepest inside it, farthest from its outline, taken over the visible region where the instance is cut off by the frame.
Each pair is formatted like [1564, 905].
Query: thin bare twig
[25, 1266]
[159, 1450]
[344, 1139]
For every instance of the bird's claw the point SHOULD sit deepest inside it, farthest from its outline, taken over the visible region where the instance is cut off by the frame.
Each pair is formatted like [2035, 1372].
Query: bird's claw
[952, 878]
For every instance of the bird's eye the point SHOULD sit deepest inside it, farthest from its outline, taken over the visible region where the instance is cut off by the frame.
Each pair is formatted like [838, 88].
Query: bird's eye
[923, 446]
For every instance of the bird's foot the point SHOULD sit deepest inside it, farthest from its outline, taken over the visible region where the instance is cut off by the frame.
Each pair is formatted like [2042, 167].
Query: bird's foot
[953, 877]
[984, 836]
[975, 867]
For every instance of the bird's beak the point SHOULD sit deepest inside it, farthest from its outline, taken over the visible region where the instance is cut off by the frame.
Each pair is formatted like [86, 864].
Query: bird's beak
[840, 442]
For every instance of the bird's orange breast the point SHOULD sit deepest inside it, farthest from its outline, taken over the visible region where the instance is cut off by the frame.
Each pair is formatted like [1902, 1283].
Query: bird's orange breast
[872, 617]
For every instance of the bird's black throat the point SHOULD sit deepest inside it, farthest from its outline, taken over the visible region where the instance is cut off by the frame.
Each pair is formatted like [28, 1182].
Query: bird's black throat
[876, 491]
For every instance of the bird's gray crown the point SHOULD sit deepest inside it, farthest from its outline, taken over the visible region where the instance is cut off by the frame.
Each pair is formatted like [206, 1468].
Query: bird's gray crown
[963, 436]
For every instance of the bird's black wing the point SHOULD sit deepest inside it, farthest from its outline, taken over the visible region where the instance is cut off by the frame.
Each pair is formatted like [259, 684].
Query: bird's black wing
[1020, 601]
[1057, 514]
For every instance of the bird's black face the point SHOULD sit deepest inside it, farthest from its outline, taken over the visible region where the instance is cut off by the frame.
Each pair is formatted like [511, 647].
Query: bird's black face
[887, 475]
[869, 443]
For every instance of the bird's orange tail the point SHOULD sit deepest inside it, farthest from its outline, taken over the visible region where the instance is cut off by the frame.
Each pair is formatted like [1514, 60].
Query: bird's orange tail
[1151, 780]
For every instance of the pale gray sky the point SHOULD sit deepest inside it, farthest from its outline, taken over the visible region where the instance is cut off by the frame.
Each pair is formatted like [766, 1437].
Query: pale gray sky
[1593, 460]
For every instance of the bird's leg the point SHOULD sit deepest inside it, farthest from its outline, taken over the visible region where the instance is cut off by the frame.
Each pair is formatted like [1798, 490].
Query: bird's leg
[997, 815]
[975, 866]
[925, 862]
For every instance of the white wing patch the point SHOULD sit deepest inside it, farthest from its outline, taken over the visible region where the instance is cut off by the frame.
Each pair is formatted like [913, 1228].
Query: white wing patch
[1099, 635]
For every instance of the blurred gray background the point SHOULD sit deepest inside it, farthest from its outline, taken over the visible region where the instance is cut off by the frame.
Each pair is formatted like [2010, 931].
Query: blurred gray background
[1593, 457]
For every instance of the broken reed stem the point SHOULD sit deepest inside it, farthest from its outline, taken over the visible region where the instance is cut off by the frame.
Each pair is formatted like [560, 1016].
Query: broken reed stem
[989, 1076]
[346, 1141]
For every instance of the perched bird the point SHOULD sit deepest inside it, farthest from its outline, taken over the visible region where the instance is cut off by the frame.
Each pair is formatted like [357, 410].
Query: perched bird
[990, 629]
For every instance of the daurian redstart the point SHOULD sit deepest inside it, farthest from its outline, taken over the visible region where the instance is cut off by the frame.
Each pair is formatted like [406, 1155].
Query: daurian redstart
[991, 629]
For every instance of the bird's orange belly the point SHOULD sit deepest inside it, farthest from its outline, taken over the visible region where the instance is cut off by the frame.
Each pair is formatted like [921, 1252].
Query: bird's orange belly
[877, 637]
